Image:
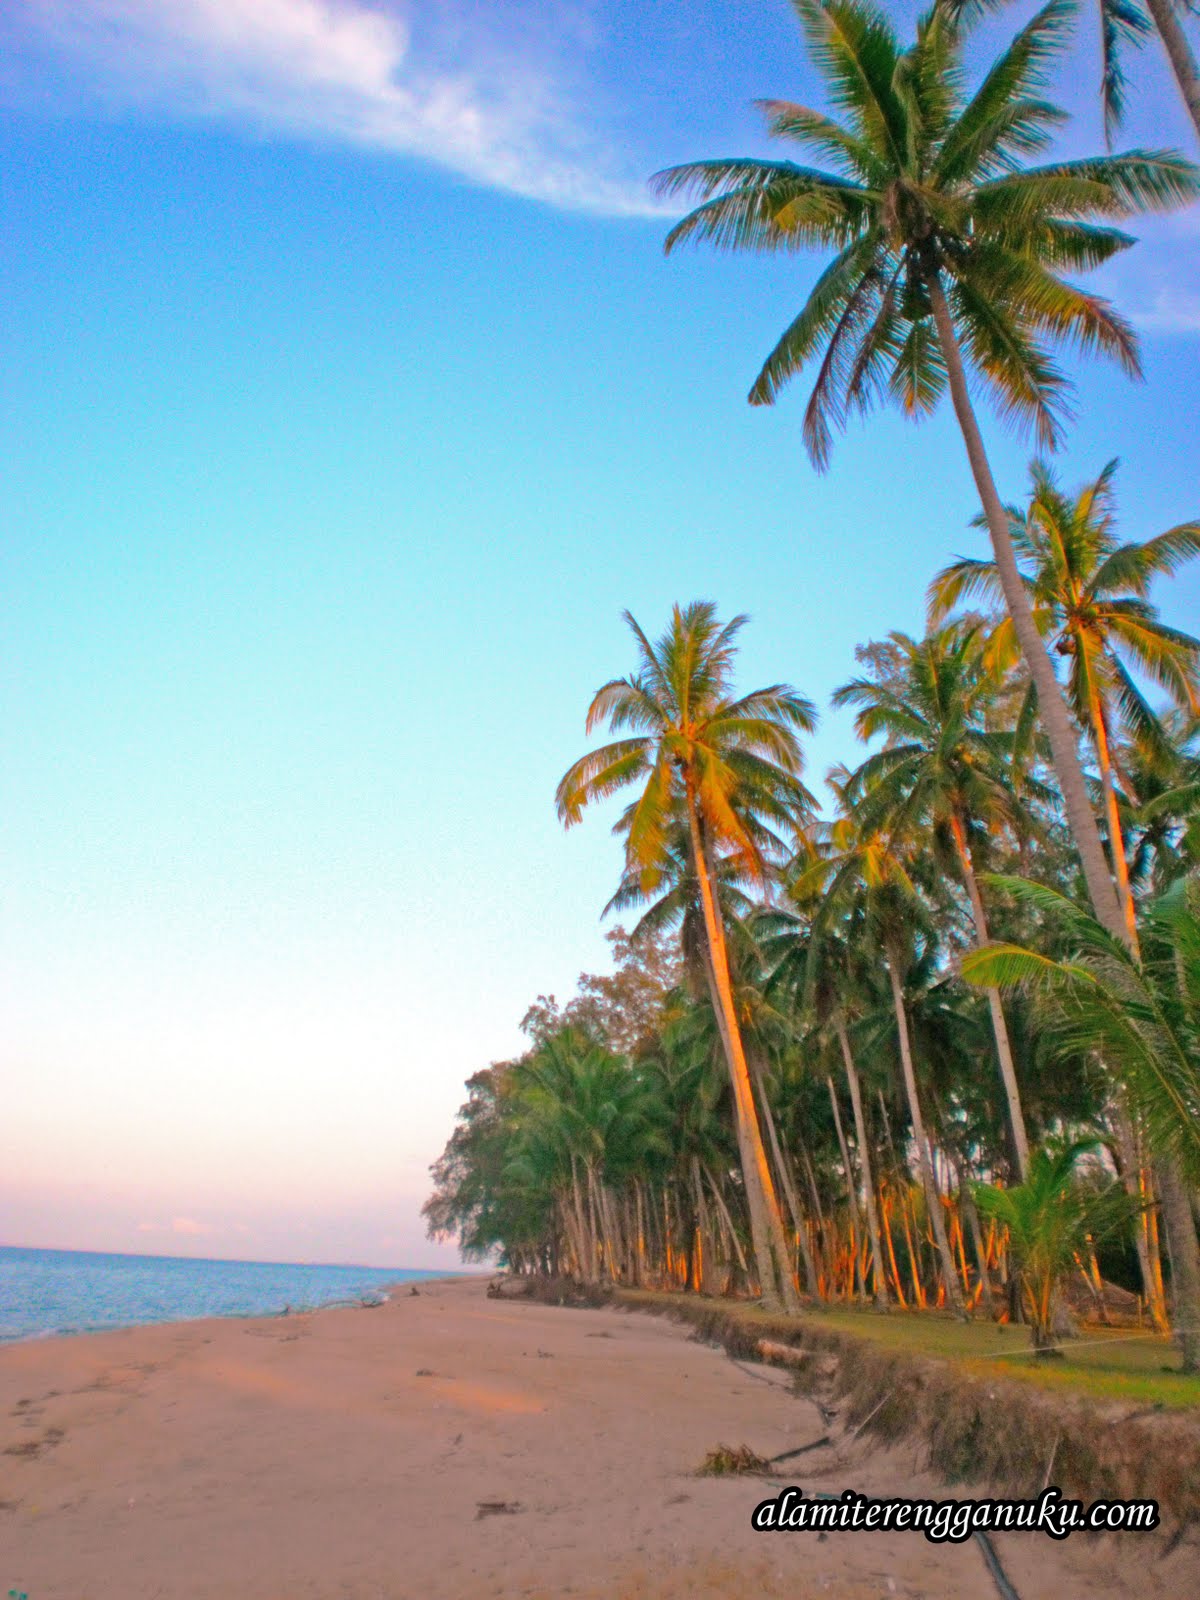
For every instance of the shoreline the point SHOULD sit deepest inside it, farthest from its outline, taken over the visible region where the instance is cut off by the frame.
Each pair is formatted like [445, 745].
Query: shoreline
[387, 1287]
[453, 1446]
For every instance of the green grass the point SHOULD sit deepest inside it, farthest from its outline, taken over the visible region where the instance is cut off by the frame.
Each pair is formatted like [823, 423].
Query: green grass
[1123, 1364]
[1103, 1364]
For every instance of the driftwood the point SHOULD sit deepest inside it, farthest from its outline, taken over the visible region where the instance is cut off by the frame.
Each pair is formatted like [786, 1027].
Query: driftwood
[497, 1508]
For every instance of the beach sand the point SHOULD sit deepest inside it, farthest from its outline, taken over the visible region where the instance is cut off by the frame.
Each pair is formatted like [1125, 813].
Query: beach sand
[353, 1454]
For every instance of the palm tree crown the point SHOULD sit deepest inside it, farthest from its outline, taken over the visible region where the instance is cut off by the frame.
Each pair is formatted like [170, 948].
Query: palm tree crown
[942, 762]
[1090, 594]
[944, 771]
[929, 198]
[739, 756]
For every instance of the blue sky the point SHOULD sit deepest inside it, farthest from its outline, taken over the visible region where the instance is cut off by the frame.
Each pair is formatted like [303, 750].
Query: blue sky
[350, 400]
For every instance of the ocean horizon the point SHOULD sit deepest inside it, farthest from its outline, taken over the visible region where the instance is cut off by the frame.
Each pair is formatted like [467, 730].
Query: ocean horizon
[47, 1293]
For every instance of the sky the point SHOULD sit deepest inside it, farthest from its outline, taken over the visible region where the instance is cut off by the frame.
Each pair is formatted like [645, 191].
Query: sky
[349, 400]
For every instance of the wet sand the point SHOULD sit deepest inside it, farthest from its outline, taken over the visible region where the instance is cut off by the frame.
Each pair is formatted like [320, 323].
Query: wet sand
[447, 1446]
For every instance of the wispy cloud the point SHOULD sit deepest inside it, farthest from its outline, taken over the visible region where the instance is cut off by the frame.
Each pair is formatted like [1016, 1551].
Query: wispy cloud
[1157, 283]
[183, 1227]
[1170, 310]
[494, 104]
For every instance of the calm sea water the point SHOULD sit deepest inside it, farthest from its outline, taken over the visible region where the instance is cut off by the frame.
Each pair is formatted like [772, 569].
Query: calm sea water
[73, 1291]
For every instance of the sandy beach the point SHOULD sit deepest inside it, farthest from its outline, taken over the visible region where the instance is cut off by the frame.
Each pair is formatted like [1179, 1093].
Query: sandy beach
[451, 1445]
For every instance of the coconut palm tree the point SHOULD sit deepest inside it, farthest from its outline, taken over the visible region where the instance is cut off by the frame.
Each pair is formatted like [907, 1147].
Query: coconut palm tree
[861, 872]
[950, 250]
[1143, 1018]
[822, 976]
[1088, 593]
[942, 768]
[729, 767]
[1052, 1216]
[671, 901]
[691, 1083]
[675, 905]
[1124, 24]
[1168, 24]
[1160, 805]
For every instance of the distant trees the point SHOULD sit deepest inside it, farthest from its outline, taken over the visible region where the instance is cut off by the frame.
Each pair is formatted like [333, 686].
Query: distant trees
[725, 769]
[861, 1053]
[786, 1026]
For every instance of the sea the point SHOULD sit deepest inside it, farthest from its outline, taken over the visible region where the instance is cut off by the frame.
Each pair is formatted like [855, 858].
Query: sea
[45, 1292]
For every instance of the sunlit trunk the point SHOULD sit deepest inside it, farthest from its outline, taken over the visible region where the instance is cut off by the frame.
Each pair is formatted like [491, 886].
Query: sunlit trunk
[851, 1197]
[1112, 816]
[937, 1220]
[886, 1206]
[771, 1255]
[878, 1273]
[907, 1217]
[971, 1213]
[702, 1257]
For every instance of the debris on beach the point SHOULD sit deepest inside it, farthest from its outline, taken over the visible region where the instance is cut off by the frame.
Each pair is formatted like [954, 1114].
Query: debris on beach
[725, 1461]
[497, 1508]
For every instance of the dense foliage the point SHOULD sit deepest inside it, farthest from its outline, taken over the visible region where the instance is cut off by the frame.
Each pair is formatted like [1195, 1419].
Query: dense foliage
[940, 1043]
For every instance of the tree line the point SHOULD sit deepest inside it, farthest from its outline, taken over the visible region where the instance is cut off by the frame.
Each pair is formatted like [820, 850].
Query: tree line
[839, 1048]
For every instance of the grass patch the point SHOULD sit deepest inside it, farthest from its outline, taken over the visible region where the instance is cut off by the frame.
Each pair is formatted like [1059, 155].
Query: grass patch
[1103, 1363]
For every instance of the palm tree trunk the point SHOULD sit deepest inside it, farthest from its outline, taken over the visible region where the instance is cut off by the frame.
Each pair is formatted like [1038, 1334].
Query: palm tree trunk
[789, 1189]
[702, 1273]
[936, 1220]
[1133, 1176]
[970, 1211]
[587, 1263]
[734, 1242]
[1185, 1262]
[1179, 54]
[1116, 838]
[1008, 1073]
[1106, 902]
[878, 1274]
[1052, 708]
[851, 1194]
[771, 1255]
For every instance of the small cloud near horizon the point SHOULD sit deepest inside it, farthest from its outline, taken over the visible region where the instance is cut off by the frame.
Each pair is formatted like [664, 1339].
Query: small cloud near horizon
[187, 1227]
[491, 102]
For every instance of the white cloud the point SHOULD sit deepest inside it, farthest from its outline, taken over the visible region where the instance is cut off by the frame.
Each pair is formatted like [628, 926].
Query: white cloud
[1170, 310]
[487, 103]
[183, 1227]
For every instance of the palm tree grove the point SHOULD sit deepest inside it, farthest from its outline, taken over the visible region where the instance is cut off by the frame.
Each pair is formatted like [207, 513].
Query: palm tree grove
[913, 1043]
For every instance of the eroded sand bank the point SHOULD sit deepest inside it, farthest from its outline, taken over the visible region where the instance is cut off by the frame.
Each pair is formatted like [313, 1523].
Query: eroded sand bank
[353, 1455]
